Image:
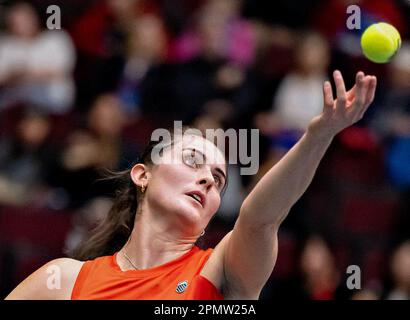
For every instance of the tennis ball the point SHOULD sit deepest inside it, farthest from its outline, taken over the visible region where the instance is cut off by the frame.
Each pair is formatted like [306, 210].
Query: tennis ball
[380, 41]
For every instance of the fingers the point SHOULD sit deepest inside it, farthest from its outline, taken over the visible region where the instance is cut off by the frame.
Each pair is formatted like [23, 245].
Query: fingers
[352, 104]
[371, 89]
[340, 88]
[366, 86]
[327, 97]
[361, 90]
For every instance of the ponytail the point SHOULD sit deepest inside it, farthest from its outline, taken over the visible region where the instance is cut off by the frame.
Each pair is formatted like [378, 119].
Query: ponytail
[113, 232]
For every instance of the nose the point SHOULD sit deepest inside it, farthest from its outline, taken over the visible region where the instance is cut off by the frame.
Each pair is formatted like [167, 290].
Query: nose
[206, 179]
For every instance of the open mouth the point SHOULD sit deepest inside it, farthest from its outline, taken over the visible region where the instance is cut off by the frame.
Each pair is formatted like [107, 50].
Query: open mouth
[197, 197]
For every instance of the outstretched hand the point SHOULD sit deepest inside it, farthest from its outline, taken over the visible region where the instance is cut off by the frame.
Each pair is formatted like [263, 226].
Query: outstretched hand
[348, 108]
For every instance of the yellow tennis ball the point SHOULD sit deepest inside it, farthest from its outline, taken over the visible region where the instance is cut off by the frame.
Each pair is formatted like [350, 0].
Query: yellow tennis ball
[380, 42]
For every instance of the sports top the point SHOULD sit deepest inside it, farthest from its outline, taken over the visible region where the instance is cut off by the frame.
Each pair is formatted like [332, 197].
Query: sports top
[179, 279]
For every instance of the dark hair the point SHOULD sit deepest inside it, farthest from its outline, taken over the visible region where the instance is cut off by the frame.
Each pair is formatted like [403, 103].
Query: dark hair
[113, 232]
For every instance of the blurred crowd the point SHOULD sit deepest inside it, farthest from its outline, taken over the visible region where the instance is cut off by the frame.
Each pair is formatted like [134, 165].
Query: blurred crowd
[85, 98]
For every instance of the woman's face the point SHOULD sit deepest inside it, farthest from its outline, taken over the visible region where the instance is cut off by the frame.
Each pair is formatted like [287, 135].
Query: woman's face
[187, 184]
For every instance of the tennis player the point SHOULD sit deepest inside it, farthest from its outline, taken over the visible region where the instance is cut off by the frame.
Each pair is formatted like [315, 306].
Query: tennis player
[145, 248]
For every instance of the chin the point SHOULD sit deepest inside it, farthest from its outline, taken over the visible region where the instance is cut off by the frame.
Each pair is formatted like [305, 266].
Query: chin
[188, 214]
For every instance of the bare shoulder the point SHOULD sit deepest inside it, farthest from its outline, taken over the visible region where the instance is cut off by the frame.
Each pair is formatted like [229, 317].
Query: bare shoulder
[53, 281]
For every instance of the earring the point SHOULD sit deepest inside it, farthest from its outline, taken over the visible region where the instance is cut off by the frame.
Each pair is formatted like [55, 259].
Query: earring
[142, 188]
[202, 233]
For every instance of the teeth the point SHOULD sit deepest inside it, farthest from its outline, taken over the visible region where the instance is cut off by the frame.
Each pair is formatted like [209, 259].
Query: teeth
[196, 197]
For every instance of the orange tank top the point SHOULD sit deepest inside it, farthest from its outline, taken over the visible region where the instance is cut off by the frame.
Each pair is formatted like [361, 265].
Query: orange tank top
[179, 279]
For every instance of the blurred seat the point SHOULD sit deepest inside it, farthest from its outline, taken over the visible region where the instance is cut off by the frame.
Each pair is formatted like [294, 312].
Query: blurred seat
[35, 226]
[286, 263]
[357, 167]
[32, 236]
[374, 265]
[373, 214]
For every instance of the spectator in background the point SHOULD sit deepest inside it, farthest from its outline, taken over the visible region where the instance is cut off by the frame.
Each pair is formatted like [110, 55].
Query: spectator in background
[26, 157]
[298, 97]
[392, 114]
[219, 30]
[392, 123]
[320, 277]
[90, 149]
[297, 100]
[100, 36]
[400, 270]
[146, 46]
[314, 276]
[217, 69]
[100, 31]
[35, 65]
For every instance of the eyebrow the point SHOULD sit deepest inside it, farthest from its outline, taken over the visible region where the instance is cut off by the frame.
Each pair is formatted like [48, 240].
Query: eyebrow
[216, 169]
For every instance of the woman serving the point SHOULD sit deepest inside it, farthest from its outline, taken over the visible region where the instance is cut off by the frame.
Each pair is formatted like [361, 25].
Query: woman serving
[145, 248]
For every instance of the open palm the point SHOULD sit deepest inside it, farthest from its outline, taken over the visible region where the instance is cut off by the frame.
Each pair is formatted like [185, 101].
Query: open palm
[349, 107]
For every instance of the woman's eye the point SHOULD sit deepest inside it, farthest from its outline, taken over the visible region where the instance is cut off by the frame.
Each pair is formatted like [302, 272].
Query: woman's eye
[217, 180]
[190, 158]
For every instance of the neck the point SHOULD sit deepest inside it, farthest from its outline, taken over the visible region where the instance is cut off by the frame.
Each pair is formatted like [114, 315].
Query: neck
[153, 243]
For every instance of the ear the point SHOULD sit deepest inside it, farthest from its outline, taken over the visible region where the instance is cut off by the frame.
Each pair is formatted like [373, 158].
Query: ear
[140, 174]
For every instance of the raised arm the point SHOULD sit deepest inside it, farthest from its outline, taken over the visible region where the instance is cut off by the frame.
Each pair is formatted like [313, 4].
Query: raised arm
[284, 183]
[249, 252]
